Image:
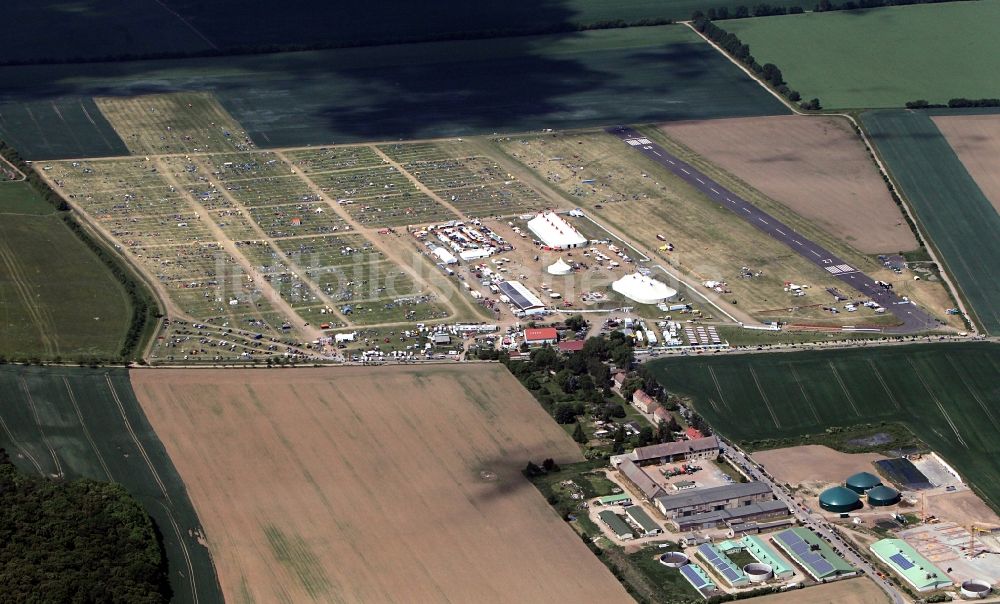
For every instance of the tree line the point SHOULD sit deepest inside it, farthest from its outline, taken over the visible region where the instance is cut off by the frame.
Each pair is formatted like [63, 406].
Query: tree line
[144, 307]
[959, 103]
[769, 72]
[76, 541]
[767, 10]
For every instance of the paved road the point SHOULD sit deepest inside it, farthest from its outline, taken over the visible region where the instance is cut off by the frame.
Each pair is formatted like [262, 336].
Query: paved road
[912, 319]
[812, 521]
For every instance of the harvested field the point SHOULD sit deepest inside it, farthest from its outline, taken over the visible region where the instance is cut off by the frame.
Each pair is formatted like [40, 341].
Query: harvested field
[976, 141]
[962, 507]
[852, 591]
[311, 486]
[814, 463]
[817, 166]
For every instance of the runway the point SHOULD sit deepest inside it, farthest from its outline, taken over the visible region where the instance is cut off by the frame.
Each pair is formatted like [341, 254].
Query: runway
[912, 319]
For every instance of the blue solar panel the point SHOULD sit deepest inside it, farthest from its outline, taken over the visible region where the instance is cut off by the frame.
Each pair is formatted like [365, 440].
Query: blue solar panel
[730, 574]
[901, 560]
[693, 577]
[822, 567]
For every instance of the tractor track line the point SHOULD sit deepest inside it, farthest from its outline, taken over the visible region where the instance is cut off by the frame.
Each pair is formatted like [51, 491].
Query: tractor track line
[38, 422]
[86, 431]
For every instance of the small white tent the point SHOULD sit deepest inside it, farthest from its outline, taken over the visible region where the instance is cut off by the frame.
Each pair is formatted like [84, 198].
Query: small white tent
[643, 289]
[559, 268]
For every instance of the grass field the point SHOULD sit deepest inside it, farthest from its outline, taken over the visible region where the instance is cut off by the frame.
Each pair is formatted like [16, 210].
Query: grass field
[78, 423]
[976, 141]
[946, 394]
[326, 485]
[934, 52]
[414, 91]
[959, 219]
[57, 299]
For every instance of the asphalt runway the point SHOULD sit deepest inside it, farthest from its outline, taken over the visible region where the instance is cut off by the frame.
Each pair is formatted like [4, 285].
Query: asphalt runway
[912, 319]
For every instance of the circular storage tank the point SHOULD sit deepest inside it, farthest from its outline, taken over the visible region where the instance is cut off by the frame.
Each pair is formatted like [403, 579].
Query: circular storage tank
[674, 559]
[882, 495]
[839, 500]
[975, 589]
[862, 481]
[758, 572]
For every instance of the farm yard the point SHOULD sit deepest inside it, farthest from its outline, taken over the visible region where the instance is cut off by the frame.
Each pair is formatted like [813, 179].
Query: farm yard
[640, 198]
[976, 141]
[946, 394]
[428, 485]
[401, 91]
[76, 423]
[57, 298]
[958, 218]
[816, 166]
[905, 52]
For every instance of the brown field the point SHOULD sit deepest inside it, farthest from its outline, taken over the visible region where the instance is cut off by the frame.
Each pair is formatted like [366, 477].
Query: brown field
[976, 141]
[372, 484]
[814, 463]
[962, 508]
[852, 591]
[816, 166]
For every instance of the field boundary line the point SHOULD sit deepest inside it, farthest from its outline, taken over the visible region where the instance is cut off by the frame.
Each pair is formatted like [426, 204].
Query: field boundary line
[767, 402]
[843, 387]
[86, 431]
[881, 380]
[975, 395]
[798, 382]
[38, 422]
[135, 438]
[718, 388]
[937, 402]
[185, 22]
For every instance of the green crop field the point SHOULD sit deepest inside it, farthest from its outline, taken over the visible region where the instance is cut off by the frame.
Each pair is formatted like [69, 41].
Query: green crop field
[946, 394]
[57, 299]
[54, 29]
[413, 91]
[882, 57]
[77, 423]
[959, 219]
[58, 127]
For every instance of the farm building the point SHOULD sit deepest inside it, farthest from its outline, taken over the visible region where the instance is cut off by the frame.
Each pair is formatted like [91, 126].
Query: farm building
[642, 401]
[638, 518]
[765, 554]
[661, 415]
[619, 499]
[571, 345]
[714, 499]
[910, 565]
[636, 477]
[642, 289]
[723, 566]
[806, 549]
[521, 297]
[554, 232]
[882, 496]
[616, 524]
[764, 510]
[538, 336]
[839, 500]
[862, 481]
[683, 450]
[559, 267]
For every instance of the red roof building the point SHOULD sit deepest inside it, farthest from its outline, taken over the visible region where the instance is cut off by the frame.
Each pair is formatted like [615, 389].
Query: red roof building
[643, 402]
[536, 336]
[693, 433]
[571, 346]
[661, 415]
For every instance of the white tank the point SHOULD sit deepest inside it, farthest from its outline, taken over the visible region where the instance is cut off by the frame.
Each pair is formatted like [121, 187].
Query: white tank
[975, 589]
[758, 572]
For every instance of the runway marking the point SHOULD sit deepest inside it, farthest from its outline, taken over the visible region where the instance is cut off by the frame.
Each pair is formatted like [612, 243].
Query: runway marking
[762, 220]
[834, 269]
[713, 190]
[699, 180]
[684, 170]
[657, 153]
[815, 253]
[746, 210]
[767, 403]
[780, 231]
[732, 202]
[671, 161]
[796, 242]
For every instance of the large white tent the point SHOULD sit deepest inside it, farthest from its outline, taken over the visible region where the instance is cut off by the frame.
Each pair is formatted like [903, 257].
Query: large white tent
[553, 230]
[642, 289]
[559, 267]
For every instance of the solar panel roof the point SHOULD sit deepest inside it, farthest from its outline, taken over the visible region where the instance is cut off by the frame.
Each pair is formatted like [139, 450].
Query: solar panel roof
[695, 579]
[901, 560]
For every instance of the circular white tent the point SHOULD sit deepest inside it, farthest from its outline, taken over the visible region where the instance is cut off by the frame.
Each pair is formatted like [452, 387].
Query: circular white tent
[642, 289]
[559, 268]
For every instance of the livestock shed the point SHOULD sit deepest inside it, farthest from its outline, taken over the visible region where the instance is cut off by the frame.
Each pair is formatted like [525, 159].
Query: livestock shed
[619, 499]
[813, 554]
[554, 232]
[638, 518]
[910, 565]
[616, 524]
[521, 297]
[642, 289]
[637, 478]
[765, 554]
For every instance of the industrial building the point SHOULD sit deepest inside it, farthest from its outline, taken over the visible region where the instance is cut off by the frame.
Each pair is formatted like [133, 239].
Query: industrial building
[636, 478]
[732, 517]
[555, 233]
[806, 549]
[682, 450]
[910, 565]
[839, 500]
[637, 517]
[616, 524]
[521, 297]
[714, 499]
[642, 289]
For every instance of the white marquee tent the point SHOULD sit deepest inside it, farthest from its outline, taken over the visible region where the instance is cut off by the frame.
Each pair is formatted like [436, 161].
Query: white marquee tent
[643, 289]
